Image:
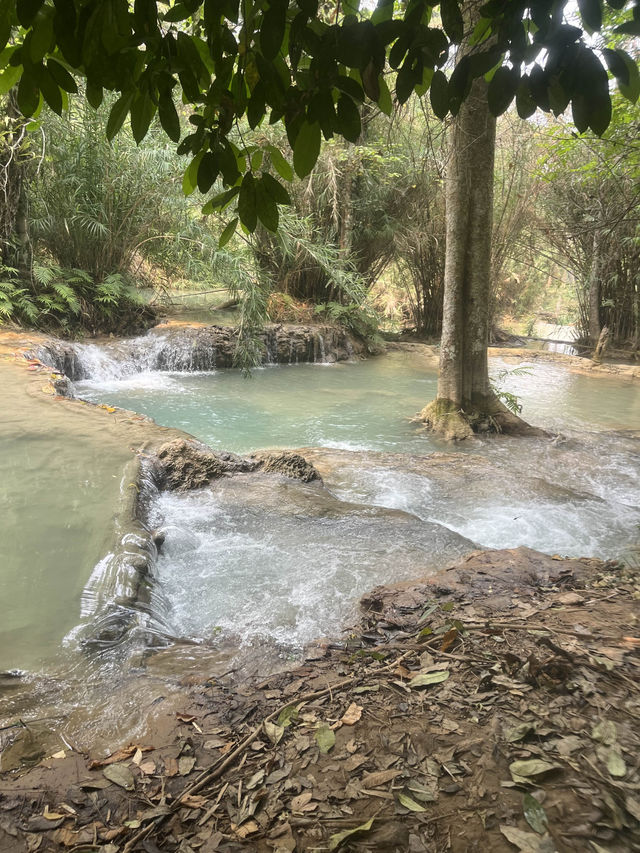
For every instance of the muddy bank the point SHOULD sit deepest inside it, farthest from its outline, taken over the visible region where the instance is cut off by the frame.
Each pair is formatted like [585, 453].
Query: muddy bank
[490, 707]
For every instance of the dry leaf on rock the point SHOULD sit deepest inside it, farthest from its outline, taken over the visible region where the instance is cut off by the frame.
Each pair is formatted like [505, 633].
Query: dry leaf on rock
[352, 714]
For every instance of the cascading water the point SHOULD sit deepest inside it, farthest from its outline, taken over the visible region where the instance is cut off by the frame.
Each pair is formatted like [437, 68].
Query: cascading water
[255, 559]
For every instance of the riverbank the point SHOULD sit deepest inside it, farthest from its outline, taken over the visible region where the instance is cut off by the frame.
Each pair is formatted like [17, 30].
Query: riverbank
[226, 706]
[489, 707]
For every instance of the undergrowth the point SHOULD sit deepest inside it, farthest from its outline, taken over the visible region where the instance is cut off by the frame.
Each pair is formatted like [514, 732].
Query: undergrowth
[69, 301]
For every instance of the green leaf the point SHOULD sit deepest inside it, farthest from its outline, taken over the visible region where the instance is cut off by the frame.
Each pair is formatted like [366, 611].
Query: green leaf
[384, 101]
[591, 13]
[142, 112]
[118, 114]
[272, 30]
[266, 207]
[94, 94]
[27, 10]
[452, 20]
[168, 116]
[61, 76]
[410, 804]
[534, 814]
[306, 148]
[9, 78]
[336, 840]
[190, 177]
[282, 166]
[525, 102]
[630, 90]
[348, 118]
[383, 11]
[220, 201]
[275, 189]
[502, 89]
[50, 91]
[226, 235]
[28, 93]
[288, 715]
[5, 22]
[325, 738]
[207, 171]
[247, 207]
[424, 679]
[439, 95]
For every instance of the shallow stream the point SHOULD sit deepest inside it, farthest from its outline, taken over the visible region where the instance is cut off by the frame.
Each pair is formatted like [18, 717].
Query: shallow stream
[257, 562]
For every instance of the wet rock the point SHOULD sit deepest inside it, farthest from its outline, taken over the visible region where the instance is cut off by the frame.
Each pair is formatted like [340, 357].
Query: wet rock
[181, 465]
[288, 464]
[62, 357]
[487, 578]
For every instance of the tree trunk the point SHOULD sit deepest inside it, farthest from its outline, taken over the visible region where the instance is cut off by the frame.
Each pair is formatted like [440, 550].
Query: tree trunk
[466, 401]
[15, 250]
[594, 291]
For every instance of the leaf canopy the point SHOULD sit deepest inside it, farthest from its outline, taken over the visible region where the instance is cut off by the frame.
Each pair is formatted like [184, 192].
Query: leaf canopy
[293, 62]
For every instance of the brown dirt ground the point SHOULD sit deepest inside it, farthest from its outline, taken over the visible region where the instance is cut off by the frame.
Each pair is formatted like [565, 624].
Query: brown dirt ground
[524, 658]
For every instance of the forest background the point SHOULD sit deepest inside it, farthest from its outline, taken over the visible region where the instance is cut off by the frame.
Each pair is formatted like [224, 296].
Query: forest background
[93, 233]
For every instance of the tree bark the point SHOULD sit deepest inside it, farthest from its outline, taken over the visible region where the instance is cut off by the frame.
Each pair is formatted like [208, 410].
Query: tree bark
[466, 401]
[594, 291]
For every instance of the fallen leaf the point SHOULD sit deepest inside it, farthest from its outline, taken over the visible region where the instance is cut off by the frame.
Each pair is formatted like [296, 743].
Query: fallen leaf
[302, 803]
[570, 598]
[288, 715]
[194, 801]
[52, 815]
[186, 763]
[120, 775]
[520, 732]
[247, 828]
[60, 754]
[273, 732]
[148, 768]
[521, 771]
[449, 639]
[255, 780]
[605, 731]
[527, 842]
[534, 814]
[325, 738]
[186, 718]
[380, 777]
[410, 804]
[137, 758]
[424, 679]
[336, 840]
[615, 763]
[352, 714]
[170, 767]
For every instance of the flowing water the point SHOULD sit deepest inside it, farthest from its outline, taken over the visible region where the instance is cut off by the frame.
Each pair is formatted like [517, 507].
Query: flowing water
[256, 562]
